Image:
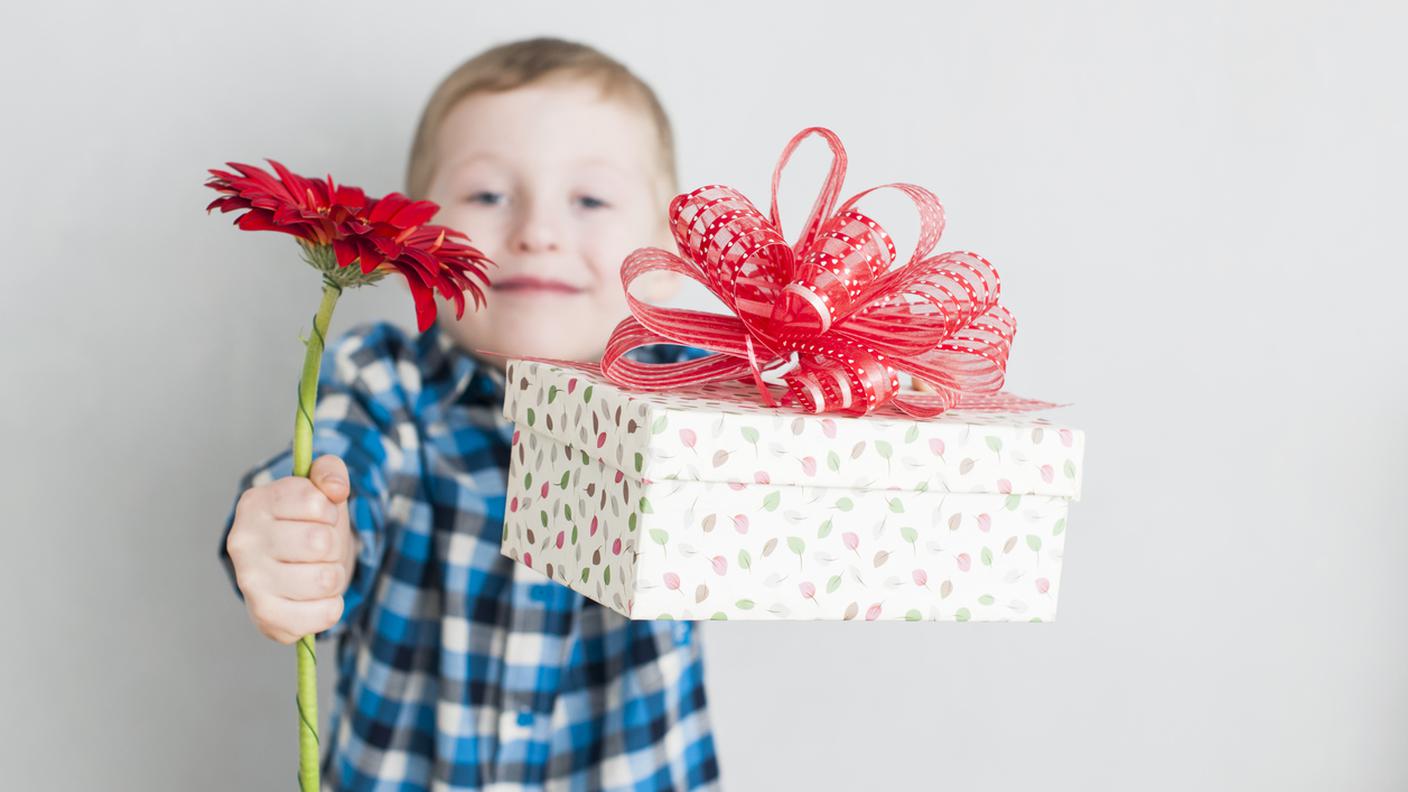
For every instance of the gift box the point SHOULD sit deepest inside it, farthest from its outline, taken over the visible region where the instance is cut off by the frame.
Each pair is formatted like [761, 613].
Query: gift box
[705, 504]
[789, 474]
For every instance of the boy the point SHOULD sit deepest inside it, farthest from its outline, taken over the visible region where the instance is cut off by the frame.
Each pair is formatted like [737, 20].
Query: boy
[459, 669]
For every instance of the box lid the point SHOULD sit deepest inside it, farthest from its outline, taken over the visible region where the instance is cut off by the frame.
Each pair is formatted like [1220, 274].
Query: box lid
[720, 432]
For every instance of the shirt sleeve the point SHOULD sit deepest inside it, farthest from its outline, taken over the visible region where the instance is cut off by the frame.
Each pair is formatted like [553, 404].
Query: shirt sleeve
[360, 417]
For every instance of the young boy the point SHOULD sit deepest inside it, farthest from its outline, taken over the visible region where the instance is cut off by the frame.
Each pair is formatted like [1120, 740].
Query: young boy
[459, 669]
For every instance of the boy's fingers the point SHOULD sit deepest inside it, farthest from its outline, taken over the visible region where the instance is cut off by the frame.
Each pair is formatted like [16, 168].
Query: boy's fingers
[309, 582]
[329, 474]
[286, 621]
[296, 498]
[344, 542]
[303, 542]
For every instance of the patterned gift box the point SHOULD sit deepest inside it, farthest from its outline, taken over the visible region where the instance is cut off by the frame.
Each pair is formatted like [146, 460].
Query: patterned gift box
[710, 506]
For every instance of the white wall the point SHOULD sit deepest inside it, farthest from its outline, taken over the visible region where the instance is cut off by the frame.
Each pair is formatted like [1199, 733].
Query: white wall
[1197, 209]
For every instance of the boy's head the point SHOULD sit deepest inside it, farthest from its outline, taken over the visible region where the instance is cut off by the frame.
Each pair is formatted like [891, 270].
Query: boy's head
[557, 162]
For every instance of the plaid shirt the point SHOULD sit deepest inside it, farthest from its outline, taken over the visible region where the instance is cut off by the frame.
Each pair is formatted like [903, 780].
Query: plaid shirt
[458, 668]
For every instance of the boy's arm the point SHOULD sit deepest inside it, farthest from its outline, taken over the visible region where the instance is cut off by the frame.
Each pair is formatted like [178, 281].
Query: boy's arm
[352, 422]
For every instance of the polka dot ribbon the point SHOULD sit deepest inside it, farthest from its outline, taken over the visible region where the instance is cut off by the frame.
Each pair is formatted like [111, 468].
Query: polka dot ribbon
[829, 320]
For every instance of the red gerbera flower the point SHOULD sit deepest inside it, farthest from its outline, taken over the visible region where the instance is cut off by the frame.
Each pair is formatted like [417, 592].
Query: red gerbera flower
[339, 225]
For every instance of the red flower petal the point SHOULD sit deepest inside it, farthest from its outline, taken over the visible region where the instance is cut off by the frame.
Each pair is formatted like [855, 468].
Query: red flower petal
[387, 208]
[254, 221]
[424, 300]
[371, 259]
[345, 251]
[390, 231]
[414, 214]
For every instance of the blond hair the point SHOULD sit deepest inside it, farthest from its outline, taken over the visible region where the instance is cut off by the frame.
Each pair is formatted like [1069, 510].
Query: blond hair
[520, 63]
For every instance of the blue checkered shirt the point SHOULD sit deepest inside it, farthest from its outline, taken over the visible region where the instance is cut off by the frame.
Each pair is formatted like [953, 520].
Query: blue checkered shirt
[458, 668]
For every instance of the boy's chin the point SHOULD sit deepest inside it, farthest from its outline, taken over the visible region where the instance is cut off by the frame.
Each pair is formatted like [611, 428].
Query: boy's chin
[509, 333]
[544, 343]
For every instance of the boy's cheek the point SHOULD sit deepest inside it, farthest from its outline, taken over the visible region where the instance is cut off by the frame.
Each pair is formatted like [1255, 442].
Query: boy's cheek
[656, 287]
[483, 230]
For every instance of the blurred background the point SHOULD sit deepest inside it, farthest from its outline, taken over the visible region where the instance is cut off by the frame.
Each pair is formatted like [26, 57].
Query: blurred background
[1197, 209]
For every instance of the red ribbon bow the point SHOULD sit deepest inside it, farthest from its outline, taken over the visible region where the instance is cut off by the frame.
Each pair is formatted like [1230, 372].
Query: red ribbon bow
[827, 317]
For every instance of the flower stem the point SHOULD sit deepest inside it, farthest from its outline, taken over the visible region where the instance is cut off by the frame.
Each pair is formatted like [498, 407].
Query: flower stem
[308, 751]
[308, 384]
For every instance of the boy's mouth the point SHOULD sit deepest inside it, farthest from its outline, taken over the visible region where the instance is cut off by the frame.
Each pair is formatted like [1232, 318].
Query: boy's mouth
[530, 284]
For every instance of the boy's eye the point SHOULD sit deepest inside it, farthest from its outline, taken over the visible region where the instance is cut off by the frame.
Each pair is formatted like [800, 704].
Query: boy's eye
[591, 202]
[485, 197]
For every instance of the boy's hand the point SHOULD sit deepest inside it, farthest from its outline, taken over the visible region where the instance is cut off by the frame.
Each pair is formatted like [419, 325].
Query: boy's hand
[294, 552]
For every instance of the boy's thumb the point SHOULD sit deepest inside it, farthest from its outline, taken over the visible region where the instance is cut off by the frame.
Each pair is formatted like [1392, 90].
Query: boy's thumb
[329, 475]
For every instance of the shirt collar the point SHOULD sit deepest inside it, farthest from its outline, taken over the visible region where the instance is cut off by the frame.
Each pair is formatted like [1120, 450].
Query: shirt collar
[466, 379]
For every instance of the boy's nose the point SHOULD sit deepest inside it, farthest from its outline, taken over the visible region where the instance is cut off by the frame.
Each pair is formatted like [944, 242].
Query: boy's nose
[535, 244]
[535, 236]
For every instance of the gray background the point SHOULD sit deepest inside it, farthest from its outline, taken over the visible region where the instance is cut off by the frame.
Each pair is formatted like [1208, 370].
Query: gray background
[1197, 209]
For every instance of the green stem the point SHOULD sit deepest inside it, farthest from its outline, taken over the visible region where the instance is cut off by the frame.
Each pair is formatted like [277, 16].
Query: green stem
[308, 753]
[308, 384]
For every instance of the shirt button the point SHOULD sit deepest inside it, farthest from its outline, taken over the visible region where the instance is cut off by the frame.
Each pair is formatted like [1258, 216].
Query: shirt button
[525, 718]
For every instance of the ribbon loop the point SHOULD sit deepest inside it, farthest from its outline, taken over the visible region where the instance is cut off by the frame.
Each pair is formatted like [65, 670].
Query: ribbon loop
[830, 189]
[834, 318]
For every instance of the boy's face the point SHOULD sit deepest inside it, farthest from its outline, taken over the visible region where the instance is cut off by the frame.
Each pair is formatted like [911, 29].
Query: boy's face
[557, 185]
